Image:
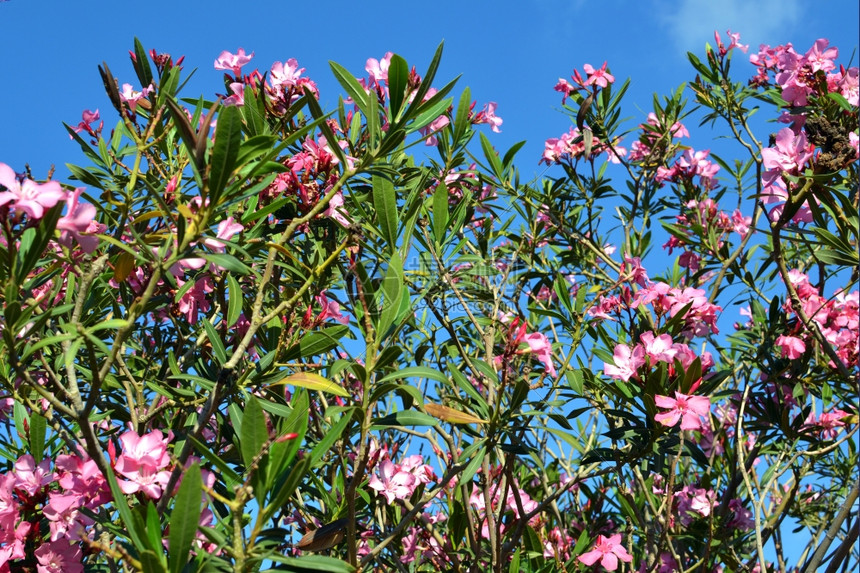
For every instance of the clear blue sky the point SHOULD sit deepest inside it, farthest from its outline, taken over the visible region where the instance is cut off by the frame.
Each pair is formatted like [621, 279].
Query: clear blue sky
[509, 52]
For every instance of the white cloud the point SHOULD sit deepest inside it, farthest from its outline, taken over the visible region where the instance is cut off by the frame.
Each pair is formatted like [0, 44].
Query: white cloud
[691, 23]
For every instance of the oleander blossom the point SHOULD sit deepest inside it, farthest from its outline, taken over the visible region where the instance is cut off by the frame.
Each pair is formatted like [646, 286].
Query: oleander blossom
[688, 409]
[607, 550]
[27, 196]
[144, 463]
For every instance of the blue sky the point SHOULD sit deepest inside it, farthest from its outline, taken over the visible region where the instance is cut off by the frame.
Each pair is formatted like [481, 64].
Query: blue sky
[509, 52]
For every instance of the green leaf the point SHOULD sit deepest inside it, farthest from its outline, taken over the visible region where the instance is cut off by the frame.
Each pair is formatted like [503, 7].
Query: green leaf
[38, 427]
[227, 262]
[392, 289]
[127, 516]
[331, 436]
[228, 139]
[315, 563]
[215, 341]
[416, 372]
[151, 562]
[317, 342]
[230, 477]
[185, 518]
[405, 418]
[253, 433]
[492, 157]
[398, 78]
[141, 64]
[385, 203]
[351, 85]
[440, 213]
[461, 121]
[313, 381]
[234, 300]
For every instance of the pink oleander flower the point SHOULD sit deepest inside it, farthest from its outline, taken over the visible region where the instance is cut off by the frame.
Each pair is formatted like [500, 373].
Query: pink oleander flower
[789, 155]
[392, 482]
[608, 551]
[688, 409]
[828, 423]
[28, 196]
[330, 309]
[598, 77]
[79, 219]
[627, 362]
[59, 557]
[238, 97]
[660, 348]
[378, 69]
[227, 229]
[88, 117]
[131, 97]
[792, 347]
[488, 115]
[233, 62]
[31, 477]
[539, 345]
[285, 75]
[143, 461]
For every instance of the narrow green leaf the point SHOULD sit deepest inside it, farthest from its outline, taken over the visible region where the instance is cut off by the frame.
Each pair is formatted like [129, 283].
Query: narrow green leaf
[440, 213]
[398, 78]
[125, 514]
[185, 518]
[38, 428]
[351, 85]
[461, 121]
[141, 64]
[228, 139]
[405, 418]
[254, 434]
[227, 262]
[215, 341]
[385, 203]
[315, 563]
[331, 436]
[313, 381]
[392, 289]
[416, 372]
[234, 300]
[492, 157]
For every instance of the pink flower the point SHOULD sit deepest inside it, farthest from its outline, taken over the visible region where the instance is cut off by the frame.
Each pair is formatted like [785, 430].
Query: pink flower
[88, 117]
[378, 69]
[234, 62]
[789, 156]
[539, 345]
[792, 347]
[686, 408]
[131, 97]
[143, 461]
[608, 551]
[660, 348]
[627, 361]
[285, 76]
[392, 482]
[488, 115]
[28, 196]
[31, 477]
[78, 219]
[59, 557]
[238, 97]
[330, 309]
[598, 77]
[226, 230]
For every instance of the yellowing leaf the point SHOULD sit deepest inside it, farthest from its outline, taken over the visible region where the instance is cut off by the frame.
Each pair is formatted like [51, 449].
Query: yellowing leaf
[452, 415]
[313, 381]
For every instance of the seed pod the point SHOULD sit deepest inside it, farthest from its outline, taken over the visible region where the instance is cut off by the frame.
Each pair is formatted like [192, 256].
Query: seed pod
[323, 538]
